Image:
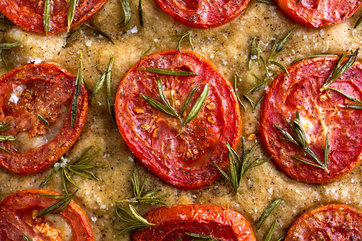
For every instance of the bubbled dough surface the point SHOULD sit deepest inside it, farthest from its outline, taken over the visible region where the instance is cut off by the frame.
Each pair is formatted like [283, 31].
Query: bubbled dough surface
[227, 47]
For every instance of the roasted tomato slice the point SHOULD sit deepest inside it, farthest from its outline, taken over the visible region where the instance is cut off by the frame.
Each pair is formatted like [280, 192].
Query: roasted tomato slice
[29, 14]
[35, 100]
[321, 113]
[318, 13]
[18, 217]
[203, 13]
[330, 222]
[182, 220]
[180, 156]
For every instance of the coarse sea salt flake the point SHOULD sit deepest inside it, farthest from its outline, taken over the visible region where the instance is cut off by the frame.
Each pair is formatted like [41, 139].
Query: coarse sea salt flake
[94, 219]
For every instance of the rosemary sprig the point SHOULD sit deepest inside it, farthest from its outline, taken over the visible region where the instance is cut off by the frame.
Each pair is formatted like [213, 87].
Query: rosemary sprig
[42, 119]
[281, 66]
[169, 109]
[57, 207]
[202, 237]
[169, 72]
[138, 192]
[77, 92]
[267, 212]
[127, 13]
[339, 68]
[132, 219]
[239, 166]
[147, 51]
[46, 16]
[299, 138]
[140, 12]
[313, 56]
[270, 232]
[236, 78]
[26, 238]
[71, 12]
[279, 45]
[358, 22]
[182, 38]
[5, 127]
[80, 166]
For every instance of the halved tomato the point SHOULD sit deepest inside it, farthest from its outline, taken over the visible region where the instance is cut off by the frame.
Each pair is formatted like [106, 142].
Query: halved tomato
[330, 222]
[35, 101]
[180, 156]
[321, 113]
[18, 217]
[203, 13]
[29, 15]
[318, 13]
[185, 221]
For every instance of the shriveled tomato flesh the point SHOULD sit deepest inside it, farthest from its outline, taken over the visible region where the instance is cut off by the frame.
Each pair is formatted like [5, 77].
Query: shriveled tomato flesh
[321, 113]
[179, 155]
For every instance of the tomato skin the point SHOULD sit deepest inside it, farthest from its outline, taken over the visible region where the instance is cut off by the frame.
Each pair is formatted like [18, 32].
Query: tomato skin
[313, 13]
[195, 218]
[197, 13]
[29, 14]
[58, 85]
[161, 148]
[320, 112]
[330, 222]
[23, 203]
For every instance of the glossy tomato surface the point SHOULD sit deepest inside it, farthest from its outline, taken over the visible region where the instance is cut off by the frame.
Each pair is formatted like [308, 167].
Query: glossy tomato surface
[330, 222]
[18, 217]
[203, 13]
[179, 156]
[318, 13]
[321, 113]
[176, 221]
[29, 14]
[27, 95]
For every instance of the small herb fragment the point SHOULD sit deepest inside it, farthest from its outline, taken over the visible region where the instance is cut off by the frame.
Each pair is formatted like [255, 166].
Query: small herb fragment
[5, 46]
[138, 191]
[313, 56]
[236, 78]
[202, 237]
[46, 16]
[133, 220]
[5, 127]
[71, 12]
[26, 238]
[253, 51]
[358, 22]
[170, 72]
[299, 138]
[77, 92]
[270, 233]
[127, 13]
[76, 32]
[140, 12]
[239, 166]
[100, 32]
[267, 212]
[357, 107]
[169, 109]
[182, 38]
[57, 207]
[80, 166]
[266, 2]
[42, 119]
[109, 91]
[147, 51]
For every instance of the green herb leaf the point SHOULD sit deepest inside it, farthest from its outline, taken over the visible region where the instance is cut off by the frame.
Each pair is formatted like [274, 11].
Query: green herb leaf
[182, 38]
[357, 107]
[279, 46]
[188, 100]
[140, 12]
[266, 2]
[46, 16]
[198, 105]
[4, 46]
[236, 77]
[72, 36]
[267, 212]
[42, 119]
[133, 220]
[358, 22]
[170, 72]
[26, 238]
[313, 56]
[252, 51]
[71, 12]
[127, 13]
[5, 127]
[100, 32]
[109, 91]
[80, 166]
[147, 51]
[202, 237]
[239, 166]
[270, 233]
[345, 95]
[282, 67]
[77, 92]
[57, 207]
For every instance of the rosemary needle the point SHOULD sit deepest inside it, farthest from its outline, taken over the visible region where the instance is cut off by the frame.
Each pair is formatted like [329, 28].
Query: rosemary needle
[270, 232]
[46, 16]
[5, 127]
[77, 92]
[57, 207]
[132, 219]
[140, 12]
[268, 211]
[170, 72]
[71, 12]
[201, 237]
[182, 38]
[26, 238]
[127, 13]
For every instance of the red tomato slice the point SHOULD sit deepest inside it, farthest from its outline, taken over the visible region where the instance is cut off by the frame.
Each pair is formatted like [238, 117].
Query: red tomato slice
[176, 221]
[330, 222]
[29, 14]
[18, 217]
[318, 13]
[180, 157]
[203, 13]
[31, 91]
[321, 113]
